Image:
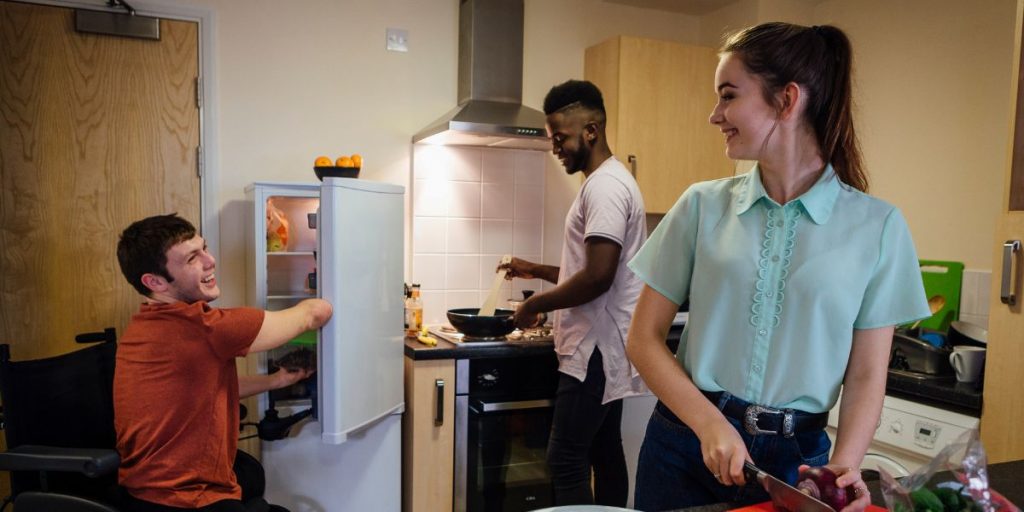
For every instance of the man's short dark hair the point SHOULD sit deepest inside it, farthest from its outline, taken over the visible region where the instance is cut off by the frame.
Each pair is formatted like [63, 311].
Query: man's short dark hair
[143, 247]
[574, 93]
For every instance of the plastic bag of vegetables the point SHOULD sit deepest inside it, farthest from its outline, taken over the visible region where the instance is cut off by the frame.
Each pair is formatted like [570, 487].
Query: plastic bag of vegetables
[922, 491]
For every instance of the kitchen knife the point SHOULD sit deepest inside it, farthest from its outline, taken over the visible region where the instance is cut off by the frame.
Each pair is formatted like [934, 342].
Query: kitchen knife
[784, 496]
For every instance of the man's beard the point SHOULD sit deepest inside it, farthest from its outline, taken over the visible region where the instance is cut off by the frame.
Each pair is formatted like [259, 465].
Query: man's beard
[577, 160]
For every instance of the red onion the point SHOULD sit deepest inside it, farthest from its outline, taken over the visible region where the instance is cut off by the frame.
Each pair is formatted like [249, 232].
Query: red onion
[820, 483]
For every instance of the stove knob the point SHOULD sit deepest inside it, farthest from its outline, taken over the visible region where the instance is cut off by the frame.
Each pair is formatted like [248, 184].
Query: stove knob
[488, 379]
[896, 427]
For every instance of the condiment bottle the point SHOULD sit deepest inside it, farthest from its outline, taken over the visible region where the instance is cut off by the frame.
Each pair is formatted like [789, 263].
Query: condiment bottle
[413, 312]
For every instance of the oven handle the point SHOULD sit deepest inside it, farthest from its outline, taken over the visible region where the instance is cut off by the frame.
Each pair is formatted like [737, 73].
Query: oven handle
[482, 406]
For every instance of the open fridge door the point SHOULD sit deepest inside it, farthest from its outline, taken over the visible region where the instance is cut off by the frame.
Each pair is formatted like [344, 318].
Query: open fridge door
[360, 350]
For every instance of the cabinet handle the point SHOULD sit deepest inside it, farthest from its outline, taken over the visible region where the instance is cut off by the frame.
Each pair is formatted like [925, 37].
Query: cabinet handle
[439, 402]
[1007, 294]
[632, 164]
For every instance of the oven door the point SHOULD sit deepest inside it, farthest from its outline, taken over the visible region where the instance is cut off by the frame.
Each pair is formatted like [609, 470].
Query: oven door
[506, 455]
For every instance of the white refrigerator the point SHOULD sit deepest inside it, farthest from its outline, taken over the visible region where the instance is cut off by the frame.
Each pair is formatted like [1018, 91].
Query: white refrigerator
[349, 456]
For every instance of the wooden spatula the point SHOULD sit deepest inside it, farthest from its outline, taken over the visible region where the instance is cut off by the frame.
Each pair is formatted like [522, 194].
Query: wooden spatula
[492, 296]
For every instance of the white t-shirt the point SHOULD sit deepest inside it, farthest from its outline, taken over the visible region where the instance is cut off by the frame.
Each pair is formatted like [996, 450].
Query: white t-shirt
[608, 205]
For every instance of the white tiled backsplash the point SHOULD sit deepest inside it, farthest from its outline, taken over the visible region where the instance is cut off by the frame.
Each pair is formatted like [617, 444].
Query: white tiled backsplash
[470, 207]
[974, 297]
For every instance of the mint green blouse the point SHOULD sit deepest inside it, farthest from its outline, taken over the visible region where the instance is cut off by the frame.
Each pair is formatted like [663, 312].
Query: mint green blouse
[777, 290]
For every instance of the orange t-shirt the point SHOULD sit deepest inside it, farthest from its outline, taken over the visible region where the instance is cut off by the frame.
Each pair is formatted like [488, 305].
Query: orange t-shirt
[176, 401]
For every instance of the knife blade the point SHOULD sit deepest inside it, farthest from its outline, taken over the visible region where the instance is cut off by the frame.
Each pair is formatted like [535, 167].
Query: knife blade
[784, 496]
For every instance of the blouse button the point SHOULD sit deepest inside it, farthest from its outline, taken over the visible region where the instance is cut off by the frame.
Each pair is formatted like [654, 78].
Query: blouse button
[757, 368]
[762, 332]
[775, 258]
[769, 293]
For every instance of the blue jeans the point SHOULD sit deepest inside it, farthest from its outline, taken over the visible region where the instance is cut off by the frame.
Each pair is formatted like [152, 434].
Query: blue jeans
[671, 473]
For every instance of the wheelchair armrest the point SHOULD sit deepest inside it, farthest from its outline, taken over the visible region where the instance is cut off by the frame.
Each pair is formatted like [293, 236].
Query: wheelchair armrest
[91, 462]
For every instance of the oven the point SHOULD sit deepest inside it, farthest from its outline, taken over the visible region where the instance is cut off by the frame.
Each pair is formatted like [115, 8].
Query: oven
[503, 412]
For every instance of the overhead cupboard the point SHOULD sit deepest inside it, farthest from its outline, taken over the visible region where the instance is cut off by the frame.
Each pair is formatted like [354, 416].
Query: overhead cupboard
[658, 96]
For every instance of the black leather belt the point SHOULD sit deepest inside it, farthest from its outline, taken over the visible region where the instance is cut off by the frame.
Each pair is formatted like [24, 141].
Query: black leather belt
[760, 420]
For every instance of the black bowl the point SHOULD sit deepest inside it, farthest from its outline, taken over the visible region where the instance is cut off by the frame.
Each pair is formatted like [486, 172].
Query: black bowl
[335, 172]
[963, 333]
[466, 321]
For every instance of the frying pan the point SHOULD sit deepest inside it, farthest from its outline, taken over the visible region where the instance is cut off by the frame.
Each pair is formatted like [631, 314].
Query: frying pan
[468, 322]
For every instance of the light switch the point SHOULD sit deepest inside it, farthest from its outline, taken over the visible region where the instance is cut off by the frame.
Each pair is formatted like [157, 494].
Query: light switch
[397, 40]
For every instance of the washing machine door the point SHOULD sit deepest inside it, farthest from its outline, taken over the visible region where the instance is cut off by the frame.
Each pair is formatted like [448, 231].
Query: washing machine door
[874, 461]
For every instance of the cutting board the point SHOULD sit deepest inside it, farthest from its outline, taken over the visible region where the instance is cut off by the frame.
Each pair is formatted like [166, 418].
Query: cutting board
[942, 278]
[767, 507]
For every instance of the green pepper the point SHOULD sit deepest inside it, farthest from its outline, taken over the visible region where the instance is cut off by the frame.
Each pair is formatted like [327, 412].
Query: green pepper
[926, 501]
[951, 500]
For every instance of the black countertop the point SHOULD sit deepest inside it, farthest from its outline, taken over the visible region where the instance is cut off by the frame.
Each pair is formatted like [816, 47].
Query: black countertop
[961, 397]
[446, 350]
[1007, 478]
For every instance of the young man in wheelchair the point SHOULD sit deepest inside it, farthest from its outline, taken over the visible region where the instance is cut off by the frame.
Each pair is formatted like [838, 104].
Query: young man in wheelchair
[176, 390]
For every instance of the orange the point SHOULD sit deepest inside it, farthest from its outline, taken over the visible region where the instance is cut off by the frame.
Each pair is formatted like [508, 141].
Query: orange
[322, 161]
[357, 161]
[344, 161]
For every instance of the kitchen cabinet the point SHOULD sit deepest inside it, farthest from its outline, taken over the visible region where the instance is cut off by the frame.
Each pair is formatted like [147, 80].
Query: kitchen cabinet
[277, 275]
[1003, 407]
[428, 435]
[658, 96]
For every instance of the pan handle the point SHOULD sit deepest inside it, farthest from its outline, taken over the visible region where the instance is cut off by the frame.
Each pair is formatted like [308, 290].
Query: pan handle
[1007, 293]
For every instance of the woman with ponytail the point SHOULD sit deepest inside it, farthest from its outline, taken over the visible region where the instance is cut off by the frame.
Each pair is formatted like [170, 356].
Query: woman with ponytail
[795, 276]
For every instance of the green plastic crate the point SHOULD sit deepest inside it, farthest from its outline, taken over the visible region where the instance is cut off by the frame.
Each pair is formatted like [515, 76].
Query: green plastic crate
[942, 278]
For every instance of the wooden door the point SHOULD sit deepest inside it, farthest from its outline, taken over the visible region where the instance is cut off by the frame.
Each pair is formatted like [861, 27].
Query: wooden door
[1003, 408]
[95, 132]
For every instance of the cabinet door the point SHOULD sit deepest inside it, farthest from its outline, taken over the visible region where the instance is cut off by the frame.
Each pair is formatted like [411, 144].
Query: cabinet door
[666, 95]
[428, 436]
[1003, 409]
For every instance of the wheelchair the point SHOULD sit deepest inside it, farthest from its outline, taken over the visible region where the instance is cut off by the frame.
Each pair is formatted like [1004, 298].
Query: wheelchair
[58, 421]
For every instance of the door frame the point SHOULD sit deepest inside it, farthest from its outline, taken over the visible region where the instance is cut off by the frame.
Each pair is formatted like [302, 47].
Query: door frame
[209, 160]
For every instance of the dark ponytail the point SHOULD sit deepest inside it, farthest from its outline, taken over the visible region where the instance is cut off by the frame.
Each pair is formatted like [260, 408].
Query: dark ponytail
[820, 60]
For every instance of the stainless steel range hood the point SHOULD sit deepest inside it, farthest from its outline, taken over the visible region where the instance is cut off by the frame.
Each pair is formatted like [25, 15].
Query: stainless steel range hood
[490, 111]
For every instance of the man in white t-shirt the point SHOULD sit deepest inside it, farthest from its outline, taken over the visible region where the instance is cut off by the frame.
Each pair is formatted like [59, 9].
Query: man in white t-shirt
[593, 302]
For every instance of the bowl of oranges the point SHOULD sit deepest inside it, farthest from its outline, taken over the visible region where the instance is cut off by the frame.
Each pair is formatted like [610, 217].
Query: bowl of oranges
[345, 166]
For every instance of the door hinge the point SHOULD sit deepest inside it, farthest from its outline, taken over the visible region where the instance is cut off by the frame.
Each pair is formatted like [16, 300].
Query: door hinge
[199, 92]
[199, 161]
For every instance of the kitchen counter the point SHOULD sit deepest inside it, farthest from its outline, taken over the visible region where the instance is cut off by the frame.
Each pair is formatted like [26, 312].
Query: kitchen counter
[446, 350]
[1006, 477]
[961, 397]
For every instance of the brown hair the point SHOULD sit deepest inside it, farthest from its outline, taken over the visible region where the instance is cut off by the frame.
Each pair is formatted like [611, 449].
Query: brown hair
[143, 247]
[819, 59]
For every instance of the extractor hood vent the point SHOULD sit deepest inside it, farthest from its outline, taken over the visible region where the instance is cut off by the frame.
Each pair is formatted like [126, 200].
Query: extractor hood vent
[490, 111]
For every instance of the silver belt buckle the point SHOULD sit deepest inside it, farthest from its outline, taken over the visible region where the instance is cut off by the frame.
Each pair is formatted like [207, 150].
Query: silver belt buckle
[753, 411]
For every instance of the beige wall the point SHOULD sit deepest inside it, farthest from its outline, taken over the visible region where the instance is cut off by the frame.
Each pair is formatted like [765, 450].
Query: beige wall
[306, 78]
[933, 92]
[301, 79]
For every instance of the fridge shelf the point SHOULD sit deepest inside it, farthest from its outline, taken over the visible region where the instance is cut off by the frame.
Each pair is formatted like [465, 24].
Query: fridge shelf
[291, 296]
[290, 253]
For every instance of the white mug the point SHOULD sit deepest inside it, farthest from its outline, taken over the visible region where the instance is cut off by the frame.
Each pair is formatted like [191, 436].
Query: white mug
[967, 362]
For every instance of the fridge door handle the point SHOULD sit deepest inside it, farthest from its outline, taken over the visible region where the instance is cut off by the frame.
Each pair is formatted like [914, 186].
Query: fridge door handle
[1007, 294]
[439, 402]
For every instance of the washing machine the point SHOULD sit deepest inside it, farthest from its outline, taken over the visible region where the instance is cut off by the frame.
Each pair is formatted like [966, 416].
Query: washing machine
[908, 435]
